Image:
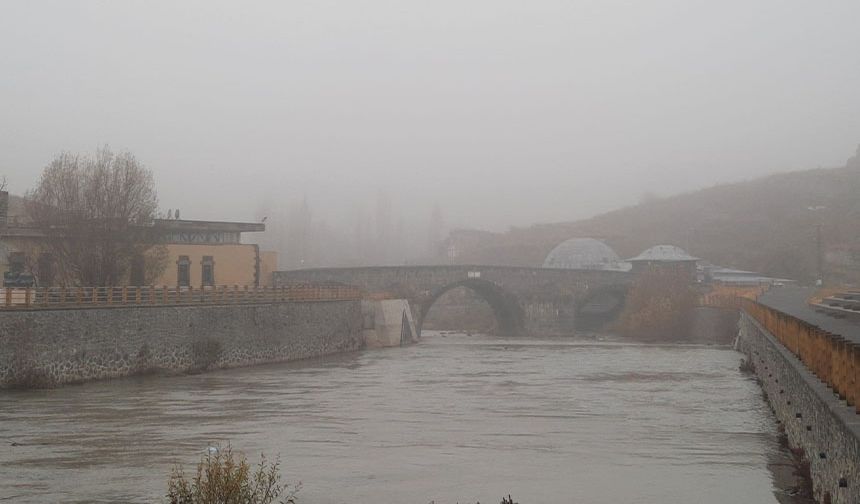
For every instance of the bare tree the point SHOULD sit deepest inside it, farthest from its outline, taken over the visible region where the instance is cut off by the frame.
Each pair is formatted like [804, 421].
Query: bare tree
[97, 213]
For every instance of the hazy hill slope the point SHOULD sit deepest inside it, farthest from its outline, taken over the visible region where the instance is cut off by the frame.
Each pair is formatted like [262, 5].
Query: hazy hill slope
[767, 224]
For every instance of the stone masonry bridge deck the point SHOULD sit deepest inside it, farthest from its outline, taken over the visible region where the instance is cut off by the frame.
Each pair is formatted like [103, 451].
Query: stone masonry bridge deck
[524, 300]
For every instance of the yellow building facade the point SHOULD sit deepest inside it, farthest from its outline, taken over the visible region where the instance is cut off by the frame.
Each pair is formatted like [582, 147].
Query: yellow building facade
[192, 253]
[209, 253]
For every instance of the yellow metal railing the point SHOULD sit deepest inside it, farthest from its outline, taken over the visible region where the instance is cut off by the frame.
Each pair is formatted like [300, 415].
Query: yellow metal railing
[82, 297]
[832, 358]
[725, 296]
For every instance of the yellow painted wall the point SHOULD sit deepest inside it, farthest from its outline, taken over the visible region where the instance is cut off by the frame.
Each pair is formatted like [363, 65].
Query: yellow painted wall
[234, 263]
[268, 265]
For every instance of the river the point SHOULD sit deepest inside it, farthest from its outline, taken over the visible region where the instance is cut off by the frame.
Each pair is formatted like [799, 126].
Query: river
[455, 418]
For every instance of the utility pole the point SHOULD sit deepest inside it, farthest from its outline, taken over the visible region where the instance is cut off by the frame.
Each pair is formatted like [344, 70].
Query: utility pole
[819, 254]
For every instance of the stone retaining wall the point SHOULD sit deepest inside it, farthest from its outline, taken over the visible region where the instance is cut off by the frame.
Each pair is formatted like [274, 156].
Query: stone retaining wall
[814, 418]
[51, 347]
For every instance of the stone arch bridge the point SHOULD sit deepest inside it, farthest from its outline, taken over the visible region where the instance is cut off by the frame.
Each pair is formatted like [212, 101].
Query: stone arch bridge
[524, 300]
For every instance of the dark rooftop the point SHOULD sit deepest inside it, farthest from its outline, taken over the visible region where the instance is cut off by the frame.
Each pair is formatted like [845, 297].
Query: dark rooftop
[211, 226]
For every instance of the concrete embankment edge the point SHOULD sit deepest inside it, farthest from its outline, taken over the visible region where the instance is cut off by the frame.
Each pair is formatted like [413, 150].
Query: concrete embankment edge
[53, 347]
[814, 418]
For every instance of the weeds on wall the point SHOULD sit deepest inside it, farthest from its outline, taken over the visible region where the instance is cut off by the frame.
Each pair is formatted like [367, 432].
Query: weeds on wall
[205, 352]
[24, 372]
[28, 376]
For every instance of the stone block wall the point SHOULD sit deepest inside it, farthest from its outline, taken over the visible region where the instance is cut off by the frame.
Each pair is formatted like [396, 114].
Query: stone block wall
[814, 418]
[52, 347]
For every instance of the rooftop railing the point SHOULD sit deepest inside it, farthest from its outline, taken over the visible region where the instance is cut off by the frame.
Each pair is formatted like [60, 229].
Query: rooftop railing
[93, 297]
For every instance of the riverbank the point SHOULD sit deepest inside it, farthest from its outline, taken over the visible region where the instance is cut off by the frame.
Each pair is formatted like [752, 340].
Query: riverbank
[46, 348]
[451, 419]
[821, 427]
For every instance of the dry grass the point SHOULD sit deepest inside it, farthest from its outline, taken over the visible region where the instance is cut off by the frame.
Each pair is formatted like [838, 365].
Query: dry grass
[226, 478]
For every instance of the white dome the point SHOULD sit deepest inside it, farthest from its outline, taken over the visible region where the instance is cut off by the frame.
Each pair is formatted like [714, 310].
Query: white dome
[582, 253]
[668, 253]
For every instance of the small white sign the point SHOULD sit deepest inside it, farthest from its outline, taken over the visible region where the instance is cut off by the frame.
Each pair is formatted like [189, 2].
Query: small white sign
[474, 274]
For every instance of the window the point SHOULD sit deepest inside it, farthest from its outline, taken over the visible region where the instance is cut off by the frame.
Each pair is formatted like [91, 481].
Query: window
[183, 271]
[208, 275]
[17, 262]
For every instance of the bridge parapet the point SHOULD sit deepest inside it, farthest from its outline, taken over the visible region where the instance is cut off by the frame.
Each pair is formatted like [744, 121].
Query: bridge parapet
[523, 299]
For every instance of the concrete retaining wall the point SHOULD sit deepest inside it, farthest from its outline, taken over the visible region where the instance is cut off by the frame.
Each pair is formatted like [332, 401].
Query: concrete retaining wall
[388, 323]
[63, 346]
[814, 418]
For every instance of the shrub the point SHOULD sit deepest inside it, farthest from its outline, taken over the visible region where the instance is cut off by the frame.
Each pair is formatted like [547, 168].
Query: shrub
[30, 377]
[25, 372]
[225, 478]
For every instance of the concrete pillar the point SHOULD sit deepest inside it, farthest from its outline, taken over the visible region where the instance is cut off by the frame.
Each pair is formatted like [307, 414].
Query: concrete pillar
[387, 323]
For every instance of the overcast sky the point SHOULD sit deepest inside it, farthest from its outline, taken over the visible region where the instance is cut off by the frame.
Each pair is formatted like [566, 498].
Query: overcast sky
[503, 112]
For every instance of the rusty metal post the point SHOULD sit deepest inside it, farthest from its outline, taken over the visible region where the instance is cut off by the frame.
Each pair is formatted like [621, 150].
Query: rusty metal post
[857, 379]
[839, 344]
[851, 391]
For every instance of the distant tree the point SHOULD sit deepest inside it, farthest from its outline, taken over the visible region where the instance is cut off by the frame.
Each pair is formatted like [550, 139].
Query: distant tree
[434, 231]
[97, 213]
[854, 161]
[299, 234]
[382, 246]
[648, 197]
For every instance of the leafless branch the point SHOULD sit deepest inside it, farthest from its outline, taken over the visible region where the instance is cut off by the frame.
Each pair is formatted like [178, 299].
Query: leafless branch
[96, 213]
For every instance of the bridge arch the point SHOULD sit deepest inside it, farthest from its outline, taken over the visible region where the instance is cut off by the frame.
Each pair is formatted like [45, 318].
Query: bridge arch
[599, 307]
[510, 318]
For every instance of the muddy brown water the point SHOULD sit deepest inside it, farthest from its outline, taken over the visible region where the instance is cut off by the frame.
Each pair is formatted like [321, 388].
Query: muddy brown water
[455, 418]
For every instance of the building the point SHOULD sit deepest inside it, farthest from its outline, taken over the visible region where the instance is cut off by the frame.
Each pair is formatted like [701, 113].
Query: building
[665, 258]
[194, 253]
[584, 253]
[463, 245]
[209, 253]
[711, 273]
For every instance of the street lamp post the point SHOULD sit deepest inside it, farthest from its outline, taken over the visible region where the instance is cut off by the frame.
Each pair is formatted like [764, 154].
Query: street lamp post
[819, 247]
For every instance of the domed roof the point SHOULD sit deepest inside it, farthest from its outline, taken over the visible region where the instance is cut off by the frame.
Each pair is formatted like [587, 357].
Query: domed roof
[582, 253]
[667, 253]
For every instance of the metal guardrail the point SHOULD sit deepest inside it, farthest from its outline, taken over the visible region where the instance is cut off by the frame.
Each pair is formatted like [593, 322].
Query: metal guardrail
[832, 358]
[837, 303]
[730, 297]
[93, 297]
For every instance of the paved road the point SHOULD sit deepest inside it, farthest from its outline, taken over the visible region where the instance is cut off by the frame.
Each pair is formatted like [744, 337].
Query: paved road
[793, 301]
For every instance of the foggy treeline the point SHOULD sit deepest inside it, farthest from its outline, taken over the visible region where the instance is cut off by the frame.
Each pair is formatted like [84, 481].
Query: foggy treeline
[376, 233]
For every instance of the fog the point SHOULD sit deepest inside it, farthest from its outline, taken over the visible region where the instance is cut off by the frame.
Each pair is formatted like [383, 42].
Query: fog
[501, 113]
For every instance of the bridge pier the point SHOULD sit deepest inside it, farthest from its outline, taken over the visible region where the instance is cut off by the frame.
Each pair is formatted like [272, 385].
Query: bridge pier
[387, 323]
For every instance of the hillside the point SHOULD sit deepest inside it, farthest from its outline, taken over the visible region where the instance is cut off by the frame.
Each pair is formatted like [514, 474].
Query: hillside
[767, 225]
